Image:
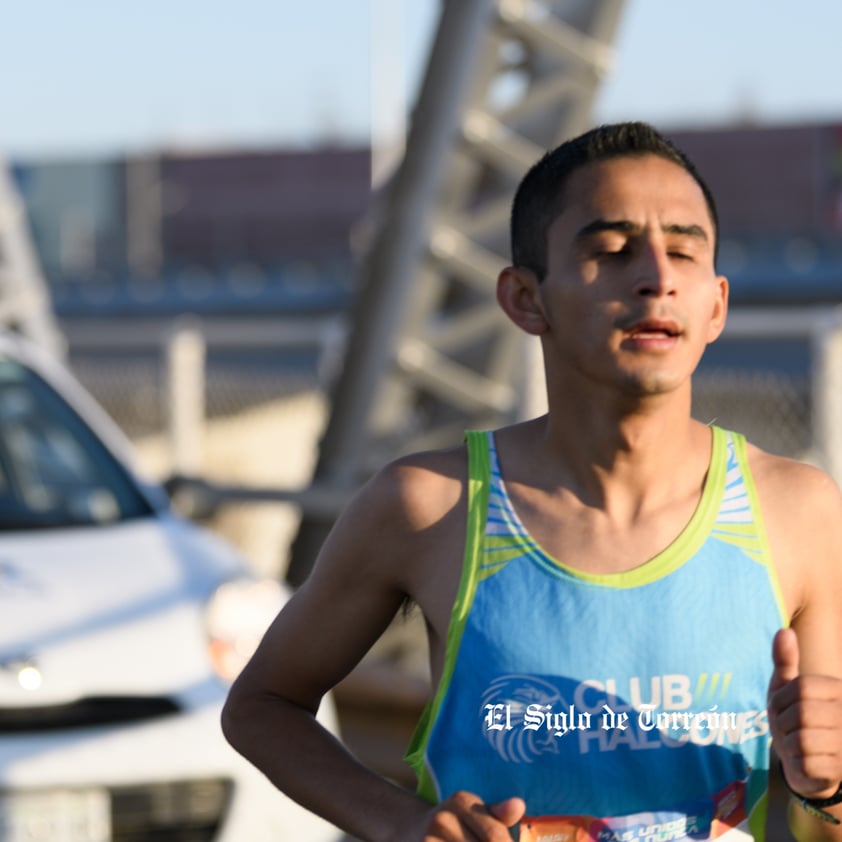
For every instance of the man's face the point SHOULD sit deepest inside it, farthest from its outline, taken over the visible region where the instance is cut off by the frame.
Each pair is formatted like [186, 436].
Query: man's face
[631, 297]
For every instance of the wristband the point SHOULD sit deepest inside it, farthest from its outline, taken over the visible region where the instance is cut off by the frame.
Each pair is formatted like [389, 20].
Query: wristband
[814, 806]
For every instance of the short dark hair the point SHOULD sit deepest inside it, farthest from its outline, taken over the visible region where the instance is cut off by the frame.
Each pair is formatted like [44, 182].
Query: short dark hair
[539, 198]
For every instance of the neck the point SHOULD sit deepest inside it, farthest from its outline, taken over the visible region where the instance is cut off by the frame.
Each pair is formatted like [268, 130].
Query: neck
[625, 454]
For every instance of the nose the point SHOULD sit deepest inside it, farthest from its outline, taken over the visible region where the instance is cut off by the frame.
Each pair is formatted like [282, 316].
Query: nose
[653, 272]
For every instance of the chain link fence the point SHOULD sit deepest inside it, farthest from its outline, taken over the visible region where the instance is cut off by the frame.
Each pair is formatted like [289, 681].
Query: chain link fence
[772, 410]
[250, 415]
[262, 406]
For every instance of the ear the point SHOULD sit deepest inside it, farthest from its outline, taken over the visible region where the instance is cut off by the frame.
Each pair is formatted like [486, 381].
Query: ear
[720, 309]
[519, 295]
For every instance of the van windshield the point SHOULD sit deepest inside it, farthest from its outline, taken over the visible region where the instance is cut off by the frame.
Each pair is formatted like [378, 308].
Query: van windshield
[54, 471]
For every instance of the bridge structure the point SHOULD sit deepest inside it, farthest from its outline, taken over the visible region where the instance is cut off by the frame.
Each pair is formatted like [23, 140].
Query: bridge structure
[429, 352]
[25, 305]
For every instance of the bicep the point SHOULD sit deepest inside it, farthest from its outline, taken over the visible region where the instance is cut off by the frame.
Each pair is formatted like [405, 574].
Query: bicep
[333, 619]
[815, 556]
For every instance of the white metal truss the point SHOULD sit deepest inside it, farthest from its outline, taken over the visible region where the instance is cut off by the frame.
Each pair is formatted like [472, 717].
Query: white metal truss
[430, 353]
[24, 301]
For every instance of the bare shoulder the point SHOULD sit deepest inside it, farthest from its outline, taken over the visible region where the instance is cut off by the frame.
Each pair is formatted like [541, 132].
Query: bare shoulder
[802, 512]
[793, 489]
[397, 524]
[417, 490]
[366, 568]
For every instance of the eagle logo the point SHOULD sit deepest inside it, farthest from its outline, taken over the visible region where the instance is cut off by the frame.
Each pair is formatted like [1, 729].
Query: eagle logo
[515, 693]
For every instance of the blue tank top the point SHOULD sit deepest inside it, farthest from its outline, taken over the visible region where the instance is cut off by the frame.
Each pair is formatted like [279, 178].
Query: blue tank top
[627, 706]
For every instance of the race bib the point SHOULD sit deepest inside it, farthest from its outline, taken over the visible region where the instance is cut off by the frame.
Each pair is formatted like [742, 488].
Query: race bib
[721, 816]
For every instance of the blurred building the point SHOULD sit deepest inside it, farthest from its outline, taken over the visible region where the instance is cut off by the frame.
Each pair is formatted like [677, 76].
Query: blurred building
[779, 196]
[231, 232]
[263, 207]
[272, 230]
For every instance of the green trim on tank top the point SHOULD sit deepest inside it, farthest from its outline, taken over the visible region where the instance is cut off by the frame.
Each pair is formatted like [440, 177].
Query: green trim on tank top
[760, 528]
[683, 548]
[479, 485]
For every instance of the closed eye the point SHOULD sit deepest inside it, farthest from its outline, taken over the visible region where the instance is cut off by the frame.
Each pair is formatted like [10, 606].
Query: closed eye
[612, 252]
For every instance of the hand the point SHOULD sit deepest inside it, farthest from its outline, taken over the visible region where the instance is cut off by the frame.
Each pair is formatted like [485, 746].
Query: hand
[464, 817]
[805, 718]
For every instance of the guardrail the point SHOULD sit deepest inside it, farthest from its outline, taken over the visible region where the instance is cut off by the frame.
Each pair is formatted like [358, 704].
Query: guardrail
[183, 344]
[822, 328]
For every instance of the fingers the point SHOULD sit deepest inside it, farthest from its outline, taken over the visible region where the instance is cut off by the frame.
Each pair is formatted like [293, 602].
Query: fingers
[804, 716]
[464, 817]
[785, 656]
[510, 811]
[809, 701]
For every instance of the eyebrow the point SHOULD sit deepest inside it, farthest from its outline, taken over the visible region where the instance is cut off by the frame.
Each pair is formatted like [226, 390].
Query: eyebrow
[624, 226]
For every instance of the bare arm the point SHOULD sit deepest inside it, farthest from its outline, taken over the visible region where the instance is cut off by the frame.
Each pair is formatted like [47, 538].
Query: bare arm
[805, 694]
[367, 566]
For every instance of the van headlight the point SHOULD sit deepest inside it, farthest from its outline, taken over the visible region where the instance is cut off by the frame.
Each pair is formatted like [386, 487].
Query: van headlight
[237, 616]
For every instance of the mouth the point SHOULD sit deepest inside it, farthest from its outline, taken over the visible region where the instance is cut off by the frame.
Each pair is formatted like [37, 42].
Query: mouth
[653, 329]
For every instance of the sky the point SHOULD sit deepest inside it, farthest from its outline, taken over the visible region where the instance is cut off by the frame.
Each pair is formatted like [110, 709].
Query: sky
[95, 77]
